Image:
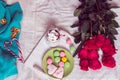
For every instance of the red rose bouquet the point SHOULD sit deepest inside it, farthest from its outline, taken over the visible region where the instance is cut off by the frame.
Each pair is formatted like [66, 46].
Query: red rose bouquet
[96, 31]
[89, 53]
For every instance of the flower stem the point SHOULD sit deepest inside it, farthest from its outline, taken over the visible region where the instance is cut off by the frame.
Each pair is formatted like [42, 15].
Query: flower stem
[91, 29]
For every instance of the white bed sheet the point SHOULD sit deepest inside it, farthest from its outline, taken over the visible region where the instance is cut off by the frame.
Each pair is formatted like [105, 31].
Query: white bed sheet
[38, 14]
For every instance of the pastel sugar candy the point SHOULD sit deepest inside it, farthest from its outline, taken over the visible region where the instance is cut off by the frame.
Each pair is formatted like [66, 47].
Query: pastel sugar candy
[64, 59]
[57, 59]
[62, 54]
[72, 48]
[59, 73]
[56, 53]
[68, 41]
[49, 61]
[67, 64]
[61, 64]
[51, 68]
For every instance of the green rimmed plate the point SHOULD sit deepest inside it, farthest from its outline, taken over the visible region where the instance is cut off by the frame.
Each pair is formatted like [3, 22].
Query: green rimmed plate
[49, 53]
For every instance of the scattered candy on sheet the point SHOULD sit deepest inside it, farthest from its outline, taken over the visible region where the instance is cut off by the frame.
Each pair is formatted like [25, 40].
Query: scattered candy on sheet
[72, 48]
[68, 41]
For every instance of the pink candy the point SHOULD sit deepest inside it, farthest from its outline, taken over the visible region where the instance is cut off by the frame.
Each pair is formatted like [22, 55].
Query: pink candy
[62, 54]
[68, 41]
[49, 61]
[61, 64]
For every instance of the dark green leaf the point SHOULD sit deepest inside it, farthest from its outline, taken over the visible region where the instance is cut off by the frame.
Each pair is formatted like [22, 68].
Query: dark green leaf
[110, 14]
[114, 14]
[112, 37]
[87, 36]
[83, 36]
[90, 2]
[77, 12]
[116, 25]
[92, 16]
[102, 29]
[77, 39]
[76, 34]
[113, 24]
[83, 17]
[76, 24]
[103, 0]
[85, 26]
[78, 49]
[114, 6]
[95, 26]
[112, 30]
[105, 6]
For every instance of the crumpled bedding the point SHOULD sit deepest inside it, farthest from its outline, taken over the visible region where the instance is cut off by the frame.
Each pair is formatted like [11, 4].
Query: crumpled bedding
[37, 16]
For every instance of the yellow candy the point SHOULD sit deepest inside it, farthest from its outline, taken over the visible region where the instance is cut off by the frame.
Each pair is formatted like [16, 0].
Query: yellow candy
[3, 21]
[64, 59]
[14, 31]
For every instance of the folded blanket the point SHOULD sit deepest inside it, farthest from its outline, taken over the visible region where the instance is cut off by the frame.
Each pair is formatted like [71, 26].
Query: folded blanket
[10, 17]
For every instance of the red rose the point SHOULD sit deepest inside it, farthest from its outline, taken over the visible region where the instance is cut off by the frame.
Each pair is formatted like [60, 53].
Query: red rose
[95, 64]
[108, 50]
[84, 64]
[109, 53]
[107, 41]
[83, 53]
[90, 44]
[93, 54]
[99, 40]
[108, 61]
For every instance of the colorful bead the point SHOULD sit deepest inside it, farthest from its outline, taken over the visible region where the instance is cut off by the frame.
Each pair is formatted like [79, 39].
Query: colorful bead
[64, 59]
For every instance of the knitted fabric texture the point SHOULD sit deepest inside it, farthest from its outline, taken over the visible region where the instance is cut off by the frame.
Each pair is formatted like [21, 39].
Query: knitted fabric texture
[13, 15]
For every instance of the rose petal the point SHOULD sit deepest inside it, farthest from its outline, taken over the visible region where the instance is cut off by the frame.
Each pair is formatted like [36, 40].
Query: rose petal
[109, 53]
[109, 61]
[93, 54]
[95, 64]
[83, 53]
[84, 64]
[99, 40]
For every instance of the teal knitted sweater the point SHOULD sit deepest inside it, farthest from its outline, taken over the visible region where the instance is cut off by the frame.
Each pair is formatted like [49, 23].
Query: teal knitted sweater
[13, 15]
